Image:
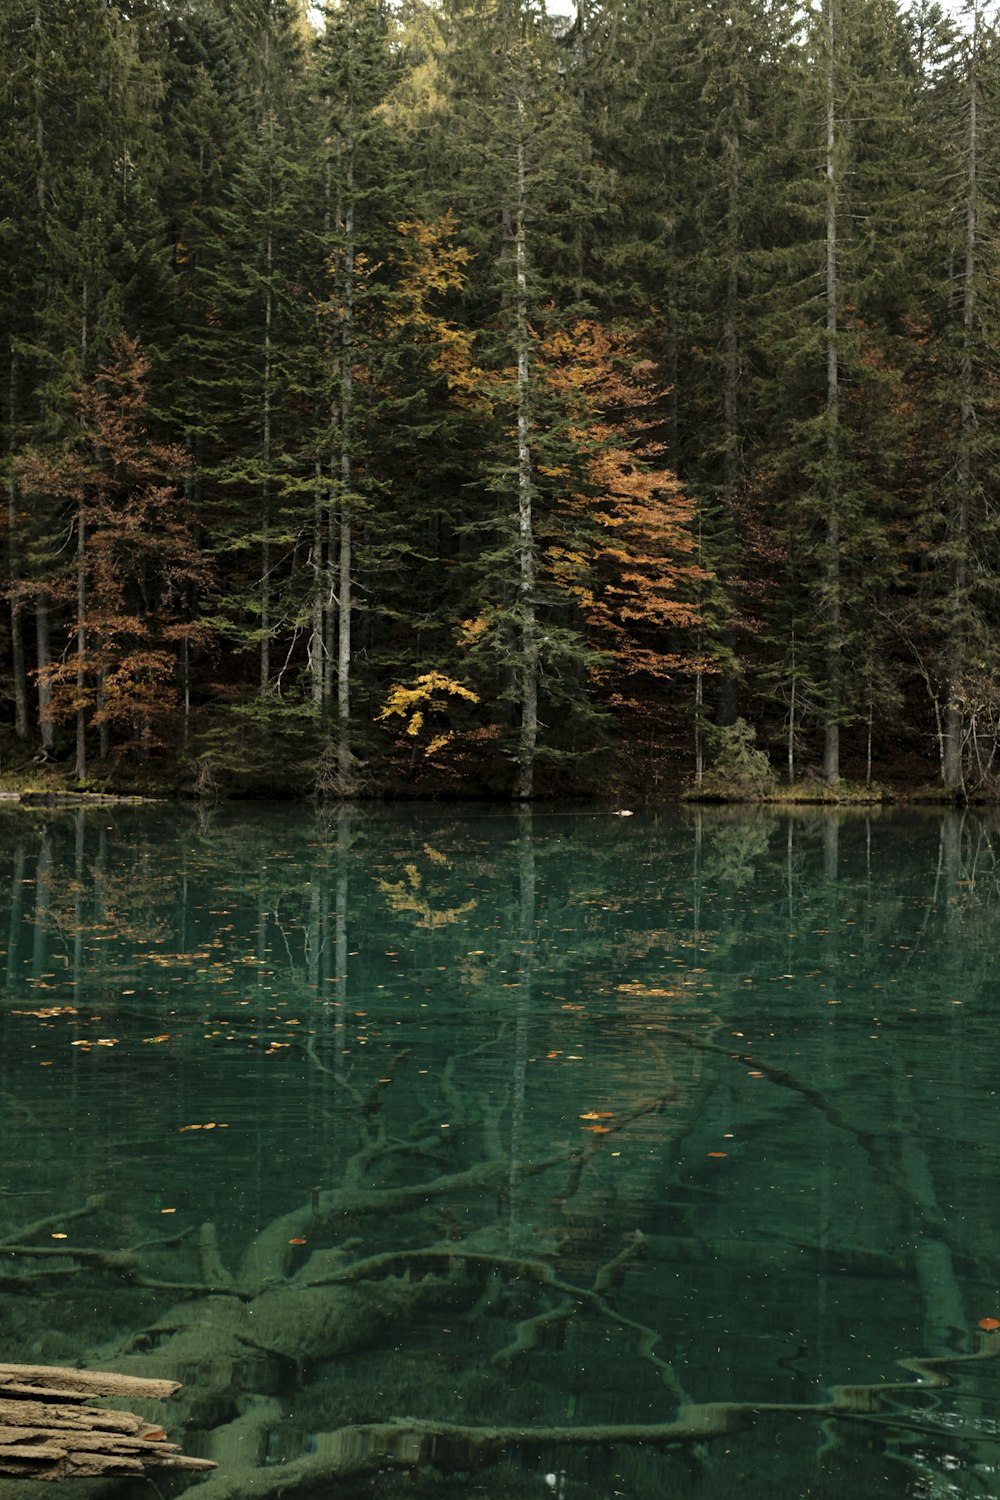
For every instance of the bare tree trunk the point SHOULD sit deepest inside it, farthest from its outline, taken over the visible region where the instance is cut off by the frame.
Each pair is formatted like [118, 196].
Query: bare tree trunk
[954, 719]
[792, 711]
[17, 655]
[733, 460]
[525, 539]
[831, 745]
[81, 649]
[345, 539]
[699, 740]
[265, 495]
[317, 564]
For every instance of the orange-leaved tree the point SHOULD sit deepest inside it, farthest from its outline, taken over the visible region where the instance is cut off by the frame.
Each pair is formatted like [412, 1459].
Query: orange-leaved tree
[135, 564]
[619, 537]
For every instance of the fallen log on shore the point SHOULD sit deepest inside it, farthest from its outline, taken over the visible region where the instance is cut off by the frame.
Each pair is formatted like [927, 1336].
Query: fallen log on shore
[47, 1432]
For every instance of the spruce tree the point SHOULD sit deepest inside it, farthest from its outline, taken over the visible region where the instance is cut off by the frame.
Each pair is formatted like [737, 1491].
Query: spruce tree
[512, 110]
[833, 321]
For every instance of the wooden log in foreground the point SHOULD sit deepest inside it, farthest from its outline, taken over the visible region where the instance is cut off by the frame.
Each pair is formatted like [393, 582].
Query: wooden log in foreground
[46, 1432]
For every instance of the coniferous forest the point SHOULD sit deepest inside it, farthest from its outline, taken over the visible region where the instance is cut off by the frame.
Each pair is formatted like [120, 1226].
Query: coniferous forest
[443, 397]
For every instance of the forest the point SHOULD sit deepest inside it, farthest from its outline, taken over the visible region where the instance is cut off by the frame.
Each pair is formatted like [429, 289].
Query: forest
[443, 397]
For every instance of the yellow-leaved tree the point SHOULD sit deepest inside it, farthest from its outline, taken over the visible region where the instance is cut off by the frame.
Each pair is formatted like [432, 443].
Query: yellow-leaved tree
[424, 710]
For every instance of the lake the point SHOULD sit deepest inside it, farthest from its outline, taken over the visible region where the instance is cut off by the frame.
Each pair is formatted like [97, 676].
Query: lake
[459, 1151]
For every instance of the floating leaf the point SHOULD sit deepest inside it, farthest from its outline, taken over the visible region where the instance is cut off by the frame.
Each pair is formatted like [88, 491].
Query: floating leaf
[718, 1153]
[990, 1324]
[299, 1240]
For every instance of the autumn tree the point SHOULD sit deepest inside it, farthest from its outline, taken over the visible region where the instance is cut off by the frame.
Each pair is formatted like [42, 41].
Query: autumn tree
[135, 564]
[636, 576]
[80, 230]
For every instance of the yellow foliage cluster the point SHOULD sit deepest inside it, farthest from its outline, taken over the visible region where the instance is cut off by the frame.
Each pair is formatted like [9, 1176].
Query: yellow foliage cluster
[432, 265]
[430, 693]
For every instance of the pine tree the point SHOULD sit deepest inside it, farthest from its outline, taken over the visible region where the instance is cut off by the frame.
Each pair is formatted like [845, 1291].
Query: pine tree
[512, 109]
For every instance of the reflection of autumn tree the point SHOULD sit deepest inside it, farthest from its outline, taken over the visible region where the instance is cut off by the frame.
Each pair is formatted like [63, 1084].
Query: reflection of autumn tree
[413, 894]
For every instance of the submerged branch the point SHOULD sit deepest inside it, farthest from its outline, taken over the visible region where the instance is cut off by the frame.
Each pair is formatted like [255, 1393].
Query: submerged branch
[409, 1443]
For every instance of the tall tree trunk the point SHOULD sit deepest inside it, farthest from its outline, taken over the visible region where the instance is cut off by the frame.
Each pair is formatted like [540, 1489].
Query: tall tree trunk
[327, 519]
[265, 495]
[18, 666]
[317, 564]
[345, 534]
[528, 666]
[954, 719]
[733, 452]
[81, 648]
[831, 745]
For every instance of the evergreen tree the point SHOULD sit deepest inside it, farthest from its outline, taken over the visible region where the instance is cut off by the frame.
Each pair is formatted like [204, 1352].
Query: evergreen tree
[948, 618]
[512, 109]
[833, 321]
[80, 204]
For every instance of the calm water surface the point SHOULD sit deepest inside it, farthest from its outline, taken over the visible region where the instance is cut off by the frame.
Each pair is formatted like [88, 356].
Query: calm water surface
[554, 1124]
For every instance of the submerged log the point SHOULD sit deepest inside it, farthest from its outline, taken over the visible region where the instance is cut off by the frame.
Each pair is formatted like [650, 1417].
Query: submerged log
[47, 1432]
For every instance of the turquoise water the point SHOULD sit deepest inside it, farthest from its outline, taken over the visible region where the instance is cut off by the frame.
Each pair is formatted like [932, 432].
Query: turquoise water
[561, 1125]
